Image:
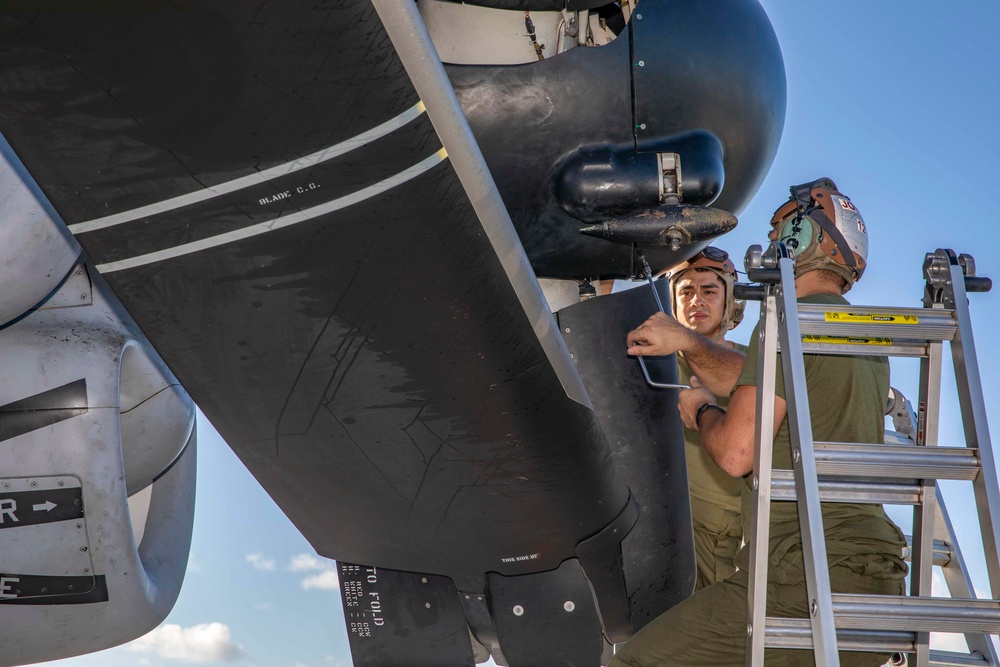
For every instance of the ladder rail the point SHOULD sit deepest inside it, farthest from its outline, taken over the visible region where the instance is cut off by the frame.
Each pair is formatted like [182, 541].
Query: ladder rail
[760, 524]
[804, 464]
[959, 581]
[977, 434]
[927, 426]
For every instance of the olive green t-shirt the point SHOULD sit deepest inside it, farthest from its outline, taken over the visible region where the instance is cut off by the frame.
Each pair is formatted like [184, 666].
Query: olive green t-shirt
[705, 479]
[847, 396]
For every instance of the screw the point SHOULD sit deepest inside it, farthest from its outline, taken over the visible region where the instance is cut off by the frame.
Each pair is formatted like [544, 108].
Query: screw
[566, 329]
[756, 482]
[423, 580]
[83, 548]
[813, 608]
[427, 605]
[638, 17]
[518, 610]
[642, 63]
[796, 455]
[568, 605]
[749, 629]
[642, 126]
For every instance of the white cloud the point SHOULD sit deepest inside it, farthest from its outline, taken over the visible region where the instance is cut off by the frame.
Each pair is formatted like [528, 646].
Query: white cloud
[326, 581]
[260, 563]
[206, 642]
[194, 565]
[336, 662]
[306, 563]
[325, 577]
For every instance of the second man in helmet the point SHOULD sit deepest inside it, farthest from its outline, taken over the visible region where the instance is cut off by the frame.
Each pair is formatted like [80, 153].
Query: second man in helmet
[701, 295]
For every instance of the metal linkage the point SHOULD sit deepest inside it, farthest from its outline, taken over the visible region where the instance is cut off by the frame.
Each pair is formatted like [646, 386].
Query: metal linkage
[659, 304]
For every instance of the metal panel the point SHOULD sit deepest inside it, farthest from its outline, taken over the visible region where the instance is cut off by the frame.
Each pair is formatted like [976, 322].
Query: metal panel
[403, 619]
[658, 553]
[736, 50]
[547, 618]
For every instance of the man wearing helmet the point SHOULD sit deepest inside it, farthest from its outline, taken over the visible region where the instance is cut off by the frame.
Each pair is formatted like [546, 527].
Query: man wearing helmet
[701, 294]
[846, 404]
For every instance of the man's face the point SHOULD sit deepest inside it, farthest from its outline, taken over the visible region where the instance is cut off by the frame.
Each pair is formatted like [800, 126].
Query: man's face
[701, 301]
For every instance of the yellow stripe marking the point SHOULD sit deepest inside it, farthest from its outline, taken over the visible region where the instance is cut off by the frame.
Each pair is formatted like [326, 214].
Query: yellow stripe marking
[846, 340]
[870, 318]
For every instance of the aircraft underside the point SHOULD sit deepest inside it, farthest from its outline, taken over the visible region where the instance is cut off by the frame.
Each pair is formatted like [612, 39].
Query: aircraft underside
[293, 216]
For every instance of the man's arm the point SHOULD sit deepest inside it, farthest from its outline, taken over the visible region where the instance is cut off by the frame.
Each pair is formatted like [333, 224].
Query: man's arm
[728, 437]
[717, 366]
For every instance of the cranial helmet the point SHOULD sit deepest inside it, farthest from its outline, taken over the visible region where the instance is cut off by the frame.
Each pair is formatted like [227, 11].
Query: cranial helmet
[824, 229]
[717, 261]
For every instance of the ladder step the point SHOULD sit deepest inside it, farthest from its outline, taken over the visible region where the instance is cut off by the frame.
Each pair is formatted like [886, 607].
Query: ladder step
[863, 347]
[915, 324]
[898, 470]
[903, 465]
[897, 461]
[795, 633]
[916, 614]
[900, 492]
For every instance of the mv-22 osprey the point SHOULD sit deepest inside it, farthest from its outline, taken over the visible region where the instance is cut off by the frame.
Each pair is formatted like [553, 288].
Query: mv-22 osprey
[294, 216]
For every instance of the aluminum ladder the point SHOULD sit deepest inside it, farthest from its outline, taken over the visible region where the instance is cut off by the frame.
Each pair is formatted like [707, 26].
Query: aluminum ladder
[902, 473]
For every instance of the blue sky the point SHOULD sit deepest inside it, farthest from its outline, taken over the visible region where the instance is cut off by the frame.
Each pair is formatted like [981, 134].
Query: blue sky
[894, 101]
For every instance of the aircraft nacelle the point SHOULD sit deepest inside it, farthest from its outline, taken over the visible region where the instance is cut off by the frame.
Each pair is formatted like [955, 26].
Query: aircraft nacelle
[97, 442]
[36, 249]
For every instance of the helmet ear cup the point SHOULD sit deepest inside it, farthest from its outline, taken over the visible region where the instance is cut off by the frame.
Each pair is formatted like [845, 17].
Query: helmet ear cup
[797, 234]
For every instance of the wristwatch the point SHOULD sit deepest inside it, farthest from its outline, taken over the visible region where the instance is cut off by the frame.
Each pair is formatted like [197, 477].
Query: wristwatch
[701, 410]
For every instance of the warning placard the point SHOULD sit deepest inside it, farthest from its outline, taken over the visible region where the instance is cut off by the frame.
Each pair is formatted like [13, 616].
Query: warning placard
[846, 340]
[870, 318]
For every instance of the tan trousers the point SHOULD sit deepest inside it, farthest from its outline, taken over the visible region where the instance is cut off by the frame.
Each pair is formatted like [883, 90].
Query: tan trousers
[709, 628]
[717, 537]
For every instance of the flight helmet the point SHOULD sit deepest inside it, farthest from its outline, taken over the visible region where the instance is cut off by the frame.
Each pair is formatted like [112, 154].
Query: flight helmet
[824, 230]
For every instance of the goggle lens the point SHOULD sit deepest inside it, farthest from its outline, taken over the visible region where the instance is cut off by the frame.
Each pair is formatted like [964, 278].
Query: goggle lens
[715, 254]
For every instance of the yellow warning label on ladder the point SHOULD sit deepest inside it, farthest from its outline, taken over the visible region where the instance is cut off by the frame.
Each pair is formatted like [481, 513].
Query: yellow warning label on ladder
[841, 340]
[875, 318]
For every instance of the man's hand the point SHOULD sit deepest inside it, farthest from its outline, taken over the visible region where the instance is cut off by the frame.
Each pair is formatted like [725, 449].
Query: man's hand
[689, 400]
[659, 335]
